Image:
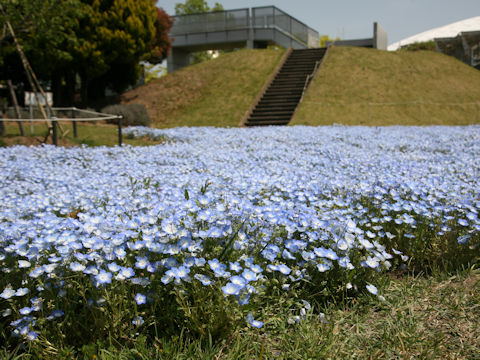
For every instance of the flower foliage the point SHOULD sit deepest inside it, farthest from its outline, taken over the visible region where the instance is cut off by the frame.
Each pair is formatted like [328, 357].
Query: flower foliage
[195, 232]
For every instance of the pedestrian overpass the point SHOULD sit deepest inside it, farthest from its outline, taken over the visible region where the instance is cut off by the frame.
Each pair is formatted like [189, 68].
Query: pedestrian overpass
[251, 28]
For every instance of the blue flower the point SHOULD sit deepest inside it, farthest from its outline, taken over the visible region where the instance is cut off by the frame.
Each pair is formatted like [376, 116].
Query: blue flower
[7, 293]
[138, 321]
[103, 277]
[22, 292]
[372, 289]
[253, 322]
[31, 336]
[76, 266]
[24, 264]
[140, 299]
[56, 314]
[231, 289]
[205, 280]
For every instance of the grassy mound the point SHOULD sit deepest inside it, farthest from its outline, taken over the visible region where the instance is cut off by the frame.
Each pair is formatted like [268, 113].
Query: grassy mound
[214, 93]
[359, 86]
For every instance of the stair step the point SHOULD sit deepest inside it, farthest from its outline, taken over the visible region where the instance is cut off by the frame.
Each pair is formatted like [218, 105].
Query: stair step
[281, 98]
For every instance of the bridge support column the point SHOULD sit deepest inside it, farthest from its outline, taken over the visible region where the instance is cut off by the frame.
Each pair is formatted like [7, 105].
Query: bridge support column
[177, 59]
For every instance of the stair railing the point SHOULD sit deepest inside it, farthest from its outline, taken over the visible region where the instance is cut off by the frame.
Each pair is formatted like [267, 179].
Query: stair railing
[309, 78]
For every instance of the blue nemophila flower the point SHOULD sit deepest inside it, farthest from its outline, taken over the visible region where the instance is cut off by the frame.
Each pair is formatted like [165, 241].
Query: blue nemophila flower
[256, 268]
[284, 269]
[140, 299]
[24, 264]
[217, 267]
[138, 321]
[322, 267]
[31, 335]
[371, 262]
[285, 209]
[113, 267]
[142, 262]
[464, 239]
[232, 289]
[22, 292]
[253, 322]
[169, 226]
[179, 273]
[125, 273]
[37, 272]
[76, 266]
[325, 253]
[103, 277]
[235, 266]
[25, 310]
[56, 314]
[205, 280]
[238, 280]
[249, 275]
[287, 255]
[7, 293]
[372, 289]
[91, 270]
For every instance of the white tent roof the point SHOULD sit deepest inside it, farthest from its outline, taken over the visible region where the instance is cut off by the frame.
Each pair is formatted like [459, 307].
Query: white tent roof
[451, 30]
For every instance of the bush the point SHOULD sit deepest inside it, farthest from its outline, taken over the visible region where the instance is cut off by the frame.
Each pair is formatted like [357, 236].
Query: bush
[426, 45]
[133, 114]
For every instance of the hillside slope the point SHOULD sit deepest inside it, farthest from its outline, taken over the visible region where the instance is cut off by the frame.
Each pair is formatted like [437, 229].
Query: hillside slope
[359, 86]
[213, 93]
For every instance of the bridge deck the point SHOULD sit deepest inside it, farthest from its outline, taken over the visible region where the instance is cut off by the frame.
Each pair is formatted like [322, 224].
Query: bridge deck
[252, 28]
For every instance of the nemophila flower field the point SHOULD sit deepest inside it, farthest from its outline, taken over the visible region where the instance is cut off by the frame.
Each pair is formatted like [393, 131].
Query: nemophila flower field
[200, 233]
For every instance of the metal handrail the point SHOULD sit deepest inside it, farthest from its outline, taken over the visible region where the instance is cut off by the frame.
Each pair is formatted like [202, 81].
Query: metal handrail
[309, 78]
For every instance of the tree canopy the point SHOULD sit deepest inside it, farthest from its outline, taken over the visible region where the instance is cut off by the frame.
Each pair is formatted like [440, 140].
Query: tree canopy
[102, 41]
[195, 7]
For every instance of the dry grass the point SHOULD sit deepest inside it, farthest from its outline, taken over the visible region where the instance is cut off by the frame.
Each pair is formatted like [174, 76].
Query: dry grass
[359, 86]
[213, 93]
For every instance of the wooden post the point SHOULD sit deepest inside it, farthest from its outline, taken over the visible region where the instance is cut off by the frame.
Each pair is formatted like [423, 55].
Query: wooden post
[74, 124]
[120, 130]
[54, 131]
[2, 124]
[15, 104]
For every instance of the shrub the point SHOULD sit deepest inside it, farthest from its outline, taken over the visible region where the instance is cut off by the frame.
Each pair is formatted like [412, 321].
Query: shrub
[133, 114]
[426, 45]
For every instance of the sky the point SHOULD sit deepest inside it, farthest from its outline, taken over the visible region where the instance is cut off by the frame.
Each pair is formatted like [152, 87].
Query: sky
[353, 19]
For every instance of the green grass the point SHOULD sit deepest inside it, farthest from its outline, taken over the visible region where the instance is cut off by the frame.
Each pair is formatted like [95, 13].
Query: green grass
[422, 317]
[359, 86]
[217, 92]
[90, 134]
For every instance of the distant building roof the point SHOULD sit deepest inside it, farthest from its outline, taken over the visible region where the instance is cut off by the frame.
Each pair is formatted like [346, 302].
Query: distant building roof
[447, 31]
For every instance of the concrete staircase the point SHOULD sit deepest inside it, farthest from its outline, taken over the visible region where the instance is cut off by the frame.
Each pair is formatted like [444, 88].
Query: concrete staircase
[279, 101]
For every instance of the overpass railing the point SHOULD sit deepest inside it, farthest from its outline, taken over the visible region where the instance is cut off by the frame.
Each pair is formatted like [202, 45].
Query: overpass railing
[210, 22]
[273, 17]
[269, 17]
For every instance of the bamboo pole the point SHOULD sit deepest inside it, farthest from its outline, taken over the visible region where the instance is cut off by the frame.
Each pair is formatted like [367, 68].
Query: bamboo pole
[15, 105]
[32, 78]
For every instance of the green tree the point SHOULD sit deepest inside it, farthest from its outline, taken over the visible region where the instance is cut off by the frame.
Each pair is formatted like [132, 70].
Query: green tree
[102, 41]
[114, 37]
[197, 7]
[325, 38]
[46, 30]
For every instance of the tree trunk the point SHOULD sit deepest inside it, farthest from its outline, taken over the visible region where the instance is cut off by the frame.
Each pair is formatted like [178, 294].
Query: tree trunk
[84, 90]
[57, 90]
